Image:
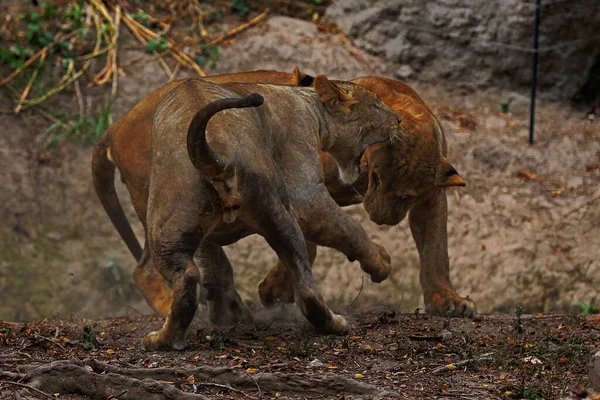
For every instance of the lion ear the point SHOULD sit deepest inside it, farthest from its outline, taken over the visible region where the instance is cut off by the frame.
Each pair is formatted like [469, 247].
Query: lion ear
[446, 175]
[303, 79]
[332, 95]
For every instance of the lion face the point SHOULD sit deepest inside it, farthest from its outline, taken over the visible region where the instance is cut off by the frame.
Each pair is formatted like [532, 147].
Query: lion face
[401, 172]
[394, 184]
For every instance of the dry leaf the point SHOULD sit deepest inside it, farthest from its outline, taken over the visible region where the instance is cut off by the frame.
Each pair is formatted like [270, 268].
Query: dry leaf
[526, 175]
[359, 376]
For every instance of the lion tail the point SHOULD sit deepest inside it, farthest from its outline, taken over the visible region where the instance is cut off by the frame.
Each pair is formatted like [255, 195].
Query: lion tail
[103, 175]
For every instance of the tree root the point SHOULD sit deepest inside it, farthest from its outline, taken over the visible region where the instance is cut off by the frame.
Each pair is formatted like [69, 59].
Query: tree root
[98, 380]
[74, 377]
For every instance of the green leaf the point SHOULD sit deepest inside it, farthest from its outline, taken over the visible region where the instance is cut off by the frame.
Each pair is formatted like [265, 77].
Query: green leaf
[33, 16]
[152, 44]
[34, 27]
[49, 10]
[201, 59]
[162, 45]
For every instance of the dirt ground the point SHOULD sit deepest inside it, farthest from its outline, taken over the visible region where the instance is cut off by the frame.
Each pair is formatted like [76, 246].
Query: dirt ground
[386, 355]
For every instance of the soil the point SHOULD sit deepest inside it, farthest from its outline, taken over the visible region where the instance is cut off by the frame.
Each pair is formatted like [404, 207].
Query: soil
[410, 356]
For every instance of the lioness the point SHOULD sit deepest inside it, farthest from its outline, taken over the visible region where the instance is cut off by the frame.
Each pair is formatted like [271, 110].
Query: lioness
[409, 173]
[127, 143]
[260, 170]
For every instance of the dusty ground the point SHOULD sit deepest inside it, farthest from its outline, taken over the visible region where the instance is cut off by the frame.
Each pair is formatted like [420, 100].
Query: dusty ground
[406, 355]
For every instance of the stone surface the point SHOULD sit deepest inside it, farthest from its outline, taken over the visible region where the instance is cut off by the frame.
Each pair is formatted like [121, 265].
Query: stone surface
[479, 43]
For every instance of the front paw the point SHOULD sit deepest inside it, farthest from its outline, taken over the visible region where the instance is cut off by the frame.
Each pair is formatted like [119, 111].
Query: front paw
[162, 340]
[379, 265]
[276, 286]
[449, 303]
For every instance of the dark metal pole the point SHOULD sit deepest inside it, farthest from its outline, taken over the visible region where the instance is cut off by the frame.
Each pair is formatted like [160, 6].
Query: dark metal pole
[536, 37]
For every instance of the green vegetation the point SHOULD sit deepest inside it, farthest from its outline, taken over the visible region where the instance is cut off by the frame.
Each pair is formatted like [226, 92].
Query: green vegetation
[84, 130]
[587, 308]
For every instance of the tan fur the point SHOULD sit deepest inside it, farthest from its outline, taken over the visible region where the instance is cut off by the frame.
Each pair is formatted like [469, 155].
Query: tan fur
[128, 140]
[271, 152]
[398, 177]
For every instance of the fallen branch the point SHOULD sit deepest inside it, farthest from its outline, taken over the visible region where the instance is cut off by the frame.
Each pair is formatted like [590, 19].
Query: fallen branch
[425, 338]
[239, 29]
[583, 205]
[51, 341]
[348, 45]
[452, 367]
[59, 372]
[71, 377]
[31, 80]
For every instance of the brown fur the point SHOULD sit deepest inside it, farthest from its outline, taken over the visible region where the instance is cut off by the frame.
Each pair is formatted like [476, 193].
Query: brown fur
[128, 141]
[406, 175]
[264, 161]
[126, 144]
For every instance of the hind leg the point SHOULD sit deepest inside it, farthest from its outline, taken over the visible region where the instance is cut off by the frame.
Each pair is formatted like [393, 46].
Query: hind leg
[152, 285]
[225, 305]
[173, 241]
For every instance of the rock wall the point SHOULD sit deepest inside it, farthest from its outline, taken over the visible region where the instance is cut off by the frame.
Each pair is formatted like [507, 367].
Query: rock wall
[479, 43]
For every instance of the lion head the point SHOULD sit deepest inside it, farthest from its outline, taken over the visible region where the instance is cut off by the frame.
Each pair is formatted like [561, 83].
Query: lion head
[411, 164]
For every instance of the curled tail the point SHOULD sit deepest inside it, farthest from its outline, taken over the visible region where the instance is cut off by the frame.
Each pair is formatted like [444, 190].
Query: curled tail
[103, 175]
[206, 161]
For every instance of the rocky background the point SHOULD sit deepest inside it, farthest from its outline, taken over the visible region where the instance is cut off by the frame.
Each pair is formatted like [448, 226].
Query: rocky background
[516, 236]
[479, 44]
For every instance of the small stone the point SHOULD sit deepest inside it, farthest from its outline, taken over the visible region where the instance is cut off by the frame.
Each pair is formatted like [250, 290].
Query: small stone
[316, 363]
[405, 72]
[55, 236]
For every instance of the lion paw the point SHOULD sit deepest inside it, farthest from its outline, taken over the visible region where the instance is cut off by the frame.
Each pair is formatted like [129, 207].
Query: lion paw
[158, 340]
[229, 310]
[338, 325]
[379, 266]
[452, 305]
[275, 287]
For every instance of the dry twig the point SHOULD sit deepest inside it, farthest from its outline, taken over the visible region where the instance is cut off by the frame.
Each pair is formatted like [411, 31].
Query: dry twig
[27, 387]
[30, 83]
[582, 205]
[239, 29]
[451, 367]
[348, 44]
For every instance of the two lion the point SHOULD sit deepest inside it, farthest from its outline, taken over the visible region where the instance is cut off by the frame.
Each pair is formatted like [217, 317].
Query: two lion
[404, 172]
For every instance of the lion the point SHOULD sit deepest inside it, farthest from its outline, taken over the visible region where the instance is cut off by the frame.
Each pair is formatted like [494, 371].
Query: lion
[408, 175]
[253, 171]
[127, 144]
